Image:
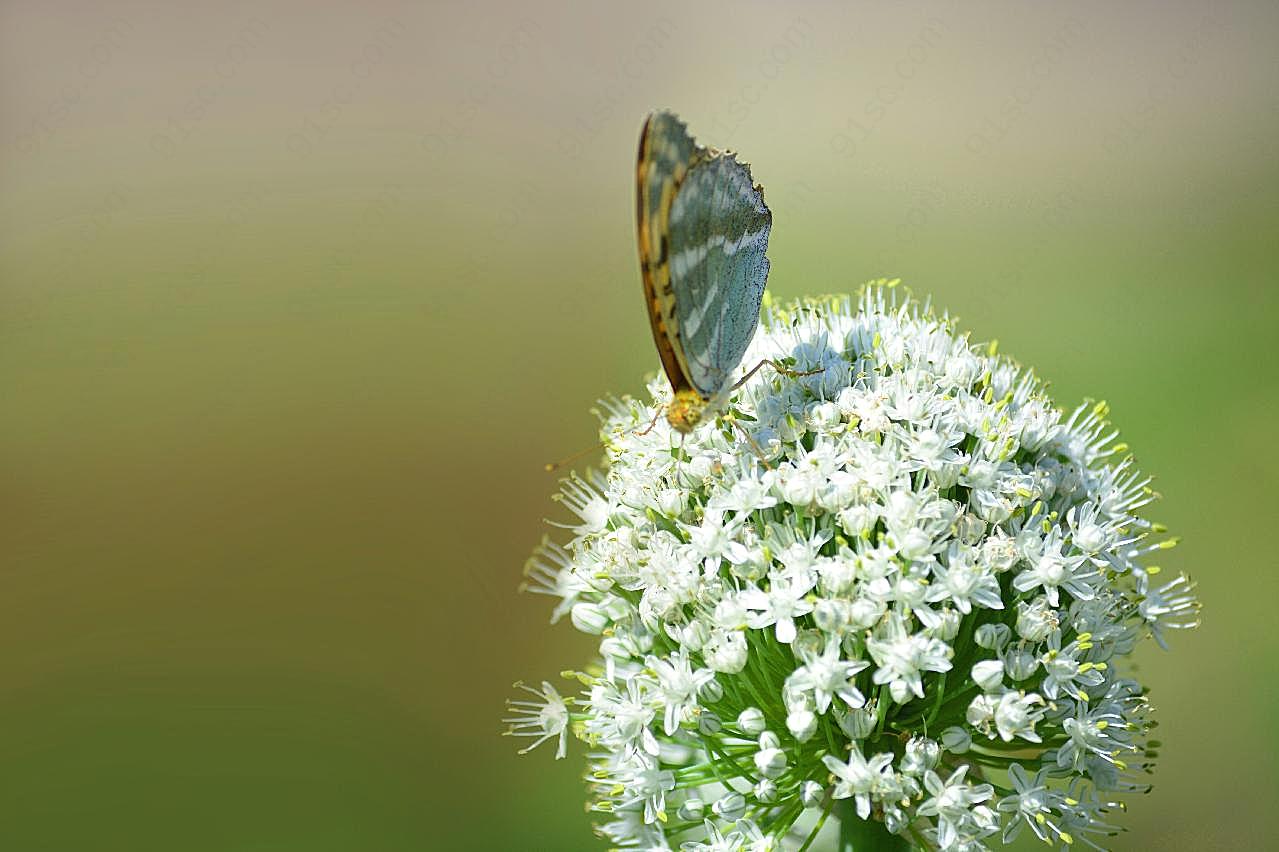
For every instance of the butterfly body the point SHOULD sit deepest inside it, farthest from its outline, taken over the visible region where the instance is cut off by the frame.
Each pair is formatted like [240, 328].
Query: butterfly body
[686, 409]
[703, 236]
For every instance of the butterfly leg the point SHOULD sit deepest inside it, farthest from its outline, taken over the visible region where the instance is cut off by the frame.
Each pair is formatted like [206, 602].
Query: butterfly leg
[758, 450]
[776, 365]
[652, 423]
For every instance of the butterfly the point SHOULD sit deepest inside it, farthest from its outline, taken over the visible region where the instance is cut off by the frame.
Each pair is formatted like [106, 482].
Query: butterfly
[703, 236]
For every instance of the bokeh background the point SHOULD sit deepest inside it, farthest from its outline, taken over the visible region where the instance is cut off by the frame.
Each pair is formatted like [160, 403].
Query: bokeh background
[296, 299]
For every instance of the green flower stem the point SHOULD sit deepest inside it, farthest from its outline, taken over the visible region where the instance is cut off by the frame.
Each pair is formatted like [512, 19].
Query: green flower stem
[864, 835]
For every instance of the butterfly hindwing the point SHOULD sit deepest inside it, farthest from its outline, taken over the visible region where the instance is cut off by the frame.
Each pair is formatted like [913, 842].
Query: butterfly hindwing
[718, 227]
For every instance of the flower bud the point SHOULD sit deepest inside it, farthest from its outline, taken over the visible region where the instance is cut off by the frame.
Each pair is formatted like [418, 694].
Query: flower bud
[701, 467]
[670, 502]
[865, 612]
[857, 520]
[969, 528]
[981, 711]
[992, 637]
[588, 618]
[634, 496]
[808, 643]
[802, 724]
[729, 613]
[799, 488]
[858, 722]
[730, 807]
[947, 628]
[823, 417]
[961, 369]
[830, 615]
[922, 754]
[837, 575]
[956, 740]
[999, 552]
[834, 496]
[692, 810]
[692, 636]
[790, 428]
[617, 608]
[989, 674]
[1036, 620]
[766, 791]
[1091, 537]
[771, 762]
[751, 721]
[848, 399]
[726, 652]
[1020, 664]
[611, 646]
[914, 544]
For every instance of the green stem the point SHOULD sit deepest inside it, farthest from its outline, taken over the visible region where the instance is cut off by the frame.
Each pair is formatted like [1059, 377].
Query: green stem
[864, 835]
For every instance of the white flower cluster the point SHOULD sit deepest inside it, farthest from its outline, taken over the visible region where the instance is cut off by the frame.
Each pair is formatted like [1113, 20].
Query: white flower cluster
[893, 582]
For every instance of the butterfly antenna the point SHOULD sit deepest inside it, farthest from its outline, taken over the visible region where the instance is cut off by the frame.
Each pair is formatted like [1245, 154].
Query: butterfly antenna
[776, 365]
[551, 467]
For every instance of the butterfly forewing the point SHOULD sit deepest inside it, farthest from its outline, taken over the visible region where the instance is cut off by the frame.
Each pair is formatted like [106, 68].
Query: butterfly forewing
[665, 153]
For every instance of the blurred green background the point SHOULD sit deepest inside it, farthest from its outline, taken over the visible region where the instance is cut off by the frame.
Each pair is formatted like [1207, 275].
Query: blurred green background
[297, 299]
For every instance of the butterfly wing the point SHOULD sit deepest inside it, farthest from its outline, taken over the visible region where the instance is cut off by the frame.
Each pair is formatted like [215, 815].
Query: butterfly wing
[665, 153]
[717, 268]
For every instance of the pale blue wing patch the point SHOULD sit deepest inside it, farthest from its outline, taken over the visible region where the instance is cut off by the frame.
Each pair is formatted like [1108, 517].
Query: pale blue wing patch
[719, 229]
